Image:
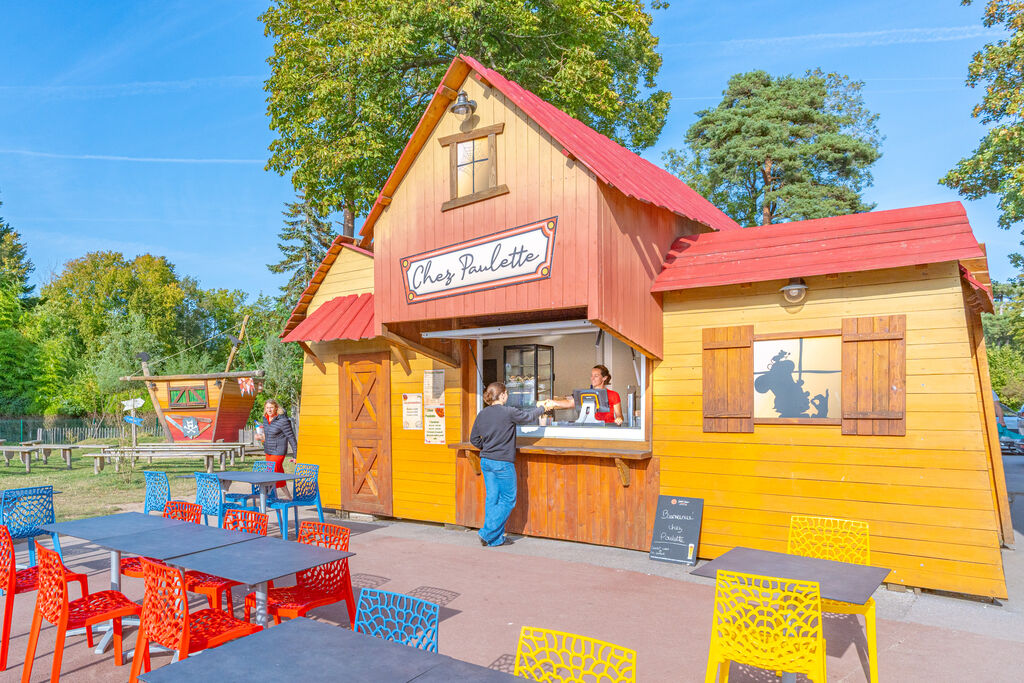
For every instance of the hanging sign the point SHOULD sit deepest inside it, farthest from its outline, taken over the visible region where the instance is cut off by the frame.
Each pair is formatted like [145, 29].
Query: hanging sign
[433, 426]
[412, 411]
[505, 258]
[433, 388]
[677, 529]
[132, 403]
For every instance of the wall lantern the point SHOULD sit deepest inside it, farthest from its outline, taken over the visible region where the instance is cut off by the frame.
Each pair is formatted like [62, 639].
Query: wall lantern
[795, 291]
[463, 107]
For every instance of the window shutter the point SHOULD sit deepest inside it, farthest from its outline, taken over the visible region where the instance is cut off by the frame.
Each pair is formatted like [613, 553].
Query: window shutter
[875, 375]
[728, 377]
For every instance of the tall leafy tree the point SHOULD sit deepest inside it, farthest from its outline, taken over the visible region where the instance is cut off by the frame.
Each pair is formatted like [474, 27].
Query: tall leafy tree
[349, 80]
[996, 167]
[15, 266]
[782, 148]
[304, 241]
[17, 356]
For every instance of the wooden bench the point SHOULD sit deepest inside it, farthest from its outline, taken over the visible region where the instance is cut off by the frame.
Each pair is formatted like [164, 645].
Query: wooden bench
[119, 454]
[233, 449]
[24, 453]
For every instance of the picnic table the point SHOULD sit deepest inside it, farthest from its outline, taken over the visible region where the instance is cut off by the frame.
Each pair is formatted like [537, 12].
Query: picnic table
[307, 650]
[264, 480]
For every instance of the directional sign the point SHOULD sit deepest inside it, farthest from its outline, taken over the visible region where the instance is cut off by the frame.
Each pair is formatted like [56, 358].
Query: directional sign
[134, 420]
[132, 403]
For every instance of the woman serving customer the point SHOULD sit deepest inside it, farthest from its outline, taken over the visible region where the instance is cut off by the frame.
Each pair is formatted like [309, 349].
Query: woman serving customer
[600, 378]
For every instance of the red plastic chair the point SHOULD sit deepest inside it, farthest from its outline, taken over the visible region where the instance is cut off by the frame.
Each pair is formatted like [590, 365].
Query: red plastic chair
[52, 604]
[175, 509]
[166, 619]
[213, 586]
[14, 581]
[316, 587]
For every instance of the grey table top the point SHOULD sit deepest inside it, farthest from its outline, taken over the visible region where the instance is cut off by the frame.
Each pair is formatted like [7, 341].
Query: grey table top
[838, 580]
[307, 650]
[261, 559]
[256, 477]
[96, 528]
[173, 541]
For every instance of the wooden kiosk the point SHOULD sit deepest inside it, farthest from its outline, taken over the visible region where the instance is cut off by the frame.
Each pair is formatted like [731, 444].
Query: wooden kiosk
[831, 367]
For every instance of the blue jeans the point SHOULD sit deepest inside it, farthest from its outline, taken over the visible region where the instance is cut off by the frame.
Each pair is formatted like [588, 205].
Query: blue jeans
[500, 482]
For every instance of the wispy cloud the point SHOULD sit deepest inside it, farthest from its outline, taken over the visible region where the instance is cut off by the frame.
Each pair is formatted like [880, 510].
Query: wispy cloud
[145, 160]
[896, 36]
[96, 91]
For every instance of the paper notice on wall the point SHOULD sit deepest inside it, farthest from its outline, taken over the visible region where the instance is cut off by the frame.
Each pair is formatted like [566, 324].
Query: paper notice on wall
[412, 411]
[433, 426]
[433, 389]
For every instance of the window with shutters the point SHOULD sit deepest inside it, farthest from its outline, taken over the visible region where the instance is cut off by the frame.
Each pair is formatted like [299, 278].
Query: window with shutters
[473, 168]
[728, 359]
[187, 397]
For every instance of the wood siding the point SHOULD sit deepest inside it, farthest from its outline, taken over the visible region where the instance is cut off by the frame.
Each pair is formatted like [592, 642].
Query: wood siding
[351, 273]
[927, 495]
[233, 411]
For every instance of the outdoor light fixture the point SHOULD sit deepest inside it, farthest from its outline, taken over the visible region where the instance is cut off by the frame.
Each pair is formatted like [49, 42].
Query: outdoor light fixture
[463, 107]
[795, 291]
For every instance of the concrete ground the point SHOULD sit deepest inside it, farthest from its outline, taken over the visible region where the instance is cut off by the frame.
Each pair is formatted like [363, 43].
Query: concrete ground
[487, 594]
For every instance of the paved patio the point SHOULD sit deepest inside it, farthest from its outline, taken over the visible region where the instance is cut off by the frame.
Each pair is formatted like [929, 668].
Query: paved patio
[486, 595]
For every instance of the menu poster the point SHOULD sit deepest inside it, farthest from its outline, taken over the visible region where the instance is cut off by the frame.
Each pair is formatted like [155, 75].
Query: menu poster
[433, 429]
[412, 411]
[677, 529]
[433, 388]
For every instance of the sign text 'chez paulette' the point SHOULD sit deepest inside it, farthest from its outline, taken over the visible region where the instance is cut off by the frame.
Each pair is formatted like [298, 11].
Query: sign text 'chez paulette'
[504, 258]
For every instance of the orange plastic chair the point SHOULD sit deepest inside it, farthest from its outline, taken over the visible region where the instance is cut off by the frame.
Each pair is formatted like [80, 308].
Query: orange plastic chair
[175, 509]
[316, 587]
[212, 586]
[166, 619]
[843, 540]
[14, 581]
[766, 622]
[52, 604]
[556, 656]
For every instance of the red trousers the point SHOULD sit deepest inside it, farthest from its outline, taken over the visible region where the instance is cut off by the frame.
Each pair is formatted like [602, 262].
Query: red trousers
[278, 461]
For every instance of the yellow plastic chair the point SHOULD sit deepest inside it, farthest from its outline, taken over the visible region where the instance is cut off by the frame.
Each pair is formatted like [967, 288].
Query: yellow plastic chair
[559, 657]
[767, 622]
[843, 540]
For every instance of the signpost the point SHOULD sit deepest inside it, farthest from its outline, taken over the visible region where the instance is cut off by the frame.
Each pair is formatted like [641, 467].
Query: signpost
[677, 529]
[129, 406]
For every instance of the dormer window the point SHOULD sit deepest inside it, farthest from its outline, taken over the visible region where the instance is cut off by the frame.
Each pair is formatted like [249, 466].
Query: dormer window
[473, 169]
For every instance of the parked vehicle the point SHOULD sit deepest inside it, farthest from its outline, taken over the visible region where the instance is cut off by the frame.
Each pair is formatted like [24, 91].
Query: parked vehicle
[1011, 418]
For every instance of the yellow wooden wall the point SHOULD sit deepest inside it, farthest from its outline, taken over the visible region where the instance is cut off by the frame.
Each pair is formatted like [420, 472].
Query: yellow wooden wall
[351, 273]
[926, 495]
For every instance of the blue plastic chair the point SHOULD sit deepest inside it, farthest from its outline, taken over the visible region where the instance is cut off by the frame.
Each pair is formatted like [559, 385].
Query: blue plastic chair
[397, 618]
[306, 493]
[158, 491]
[210, 496]
[24, 510]
[244, 501]
[258, 466]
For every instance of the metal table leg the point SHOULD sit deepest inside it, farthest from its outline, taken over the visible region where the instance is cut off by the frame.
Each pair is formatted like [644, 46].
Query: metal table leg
[261, 604]
[263, 498]
[115, 585]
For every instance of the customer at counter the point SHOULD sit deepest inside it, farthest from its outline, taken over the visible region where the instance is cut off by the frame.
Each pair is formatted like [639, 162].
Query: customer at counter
[600, 378]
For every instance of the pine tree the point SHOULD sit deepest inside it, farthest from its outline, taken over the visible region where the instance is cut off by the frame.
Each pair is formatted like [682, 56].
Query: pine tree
[15, 267]
[304, 242]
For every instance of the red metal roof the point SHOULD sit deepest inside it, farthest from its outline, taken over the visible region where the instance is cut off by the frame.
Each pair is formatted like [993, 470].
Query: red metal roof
[842, 244]
[299, 312]
[343, 317]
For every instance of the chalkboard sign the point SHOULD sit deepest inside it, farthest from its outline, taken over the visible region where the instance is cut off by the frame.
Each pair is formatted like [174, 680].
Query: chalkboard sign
[677, 529]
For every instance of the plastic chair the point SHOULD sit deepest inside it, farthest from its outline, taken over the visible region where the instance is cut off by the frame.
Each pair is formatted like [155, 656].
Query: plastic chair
[323, 585]
[258, 466]
[158, 491]
[766, 622]
[166, 620]
[210, 496]
[213, 586]
[306, 493]
[53, 606]
[397, 618]
[14, 581]
[843, 540]
[24, 510]
[556, 656]
[176, 509]
[242, 500]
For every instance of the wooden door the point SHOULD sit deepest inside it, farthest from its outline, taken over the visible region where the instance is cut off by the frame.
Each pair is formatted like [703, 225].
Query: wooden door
[365, 420]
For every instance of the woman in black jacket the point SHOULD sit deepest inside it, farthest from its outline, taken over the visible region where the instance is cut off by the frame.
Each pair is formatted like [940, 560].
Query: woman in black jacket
[494, 433]
[277, 436]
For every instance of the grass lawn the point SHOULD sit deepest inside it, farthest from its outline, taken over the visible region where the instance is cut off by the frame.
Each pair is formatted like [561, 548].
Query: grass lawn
[84, 494]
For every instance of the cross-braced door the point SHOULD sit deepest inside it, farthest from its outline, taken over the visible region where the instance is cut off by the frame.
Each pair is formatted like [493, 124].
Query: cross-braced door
[365, 433]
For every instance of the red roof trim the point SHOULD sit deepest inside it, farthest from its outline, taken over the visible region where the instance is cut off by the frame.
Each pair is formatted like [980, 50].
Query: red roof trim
[299, 311]
[343, 317]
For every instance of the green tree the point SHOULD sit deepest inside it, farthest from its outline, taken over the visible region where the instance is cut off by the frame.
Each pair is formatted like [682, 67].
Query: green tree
[997, 165]
[15, 266]
[782, 148]
[304, 241]
[350, 80]
[17, 356]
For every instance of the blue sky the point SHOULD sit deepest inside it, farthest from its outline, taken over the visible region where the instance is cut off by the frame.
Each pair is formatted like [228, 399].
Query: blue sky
[140, 126]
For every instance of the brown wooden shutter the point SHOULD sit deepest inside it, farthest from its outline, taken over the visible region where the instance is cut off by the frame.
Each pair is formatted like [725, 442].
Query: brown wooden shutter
[728, 374]
[875, 375]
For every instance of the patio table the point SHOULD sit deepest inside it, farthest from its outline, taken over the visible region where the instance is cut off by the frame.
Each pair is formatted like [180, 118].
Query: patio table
[307, 650]
[264, 480]
[257, 561]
